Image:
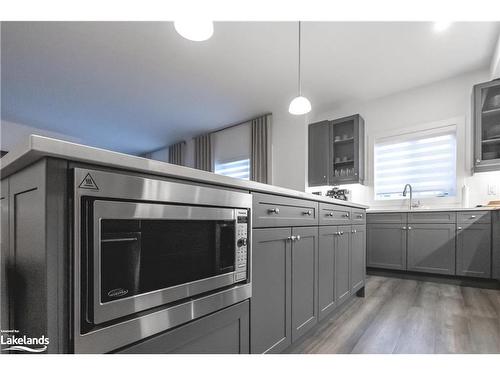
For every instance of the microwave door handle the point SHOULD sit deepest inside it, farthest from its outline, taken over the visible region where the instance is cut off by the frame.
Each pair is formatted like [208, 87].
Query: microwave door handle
[125, 239]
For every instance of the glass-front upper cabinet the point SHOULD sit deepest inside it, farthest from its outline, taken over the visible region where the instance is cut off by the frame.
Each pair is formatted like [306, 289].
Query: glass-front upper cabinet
[486, 120]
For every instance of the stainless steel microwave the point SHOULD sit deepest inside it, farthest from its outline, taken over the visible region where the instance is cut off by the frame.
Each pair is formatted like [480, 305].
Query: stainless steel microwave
[147, 248]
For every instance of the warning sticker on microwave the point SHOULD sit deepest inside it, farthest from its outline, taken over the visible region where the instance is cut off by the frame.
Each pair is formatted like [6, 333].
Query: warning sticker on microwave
[88, 183]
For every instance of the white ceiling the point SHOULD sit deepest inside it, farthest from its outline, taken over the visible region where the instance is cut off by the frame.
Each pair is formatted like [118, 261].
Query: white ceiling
[136, 86]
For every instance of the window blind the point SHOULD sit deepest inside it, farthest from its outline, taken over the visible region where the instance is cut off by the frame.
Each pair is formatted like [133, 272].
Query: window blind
[237, 169]
[426, 161]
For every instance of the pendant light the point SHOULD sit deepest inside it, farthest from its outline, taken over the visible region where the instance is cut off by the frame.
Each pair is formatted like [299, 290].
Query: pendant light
[300, 105]
[195, 30]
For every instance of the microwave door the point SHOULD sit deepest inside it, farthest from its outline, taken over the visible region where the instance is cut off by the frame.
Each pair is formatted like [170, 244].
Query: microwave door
[146, 255]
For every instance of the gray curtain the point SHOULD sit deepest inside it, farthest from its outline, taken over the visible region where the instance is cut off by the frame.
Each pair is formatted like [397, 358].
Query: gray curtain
[261, 150]
[176, 153]
[203, 153]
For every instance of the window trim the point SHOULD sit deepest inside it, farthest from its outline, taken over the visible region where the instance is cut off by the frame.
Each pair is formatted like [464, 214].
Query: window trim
[462, 161]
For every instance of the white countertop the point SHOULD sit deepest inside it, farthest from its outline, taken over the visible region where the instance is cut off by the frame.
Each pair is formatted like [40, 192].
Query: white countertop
[37, 147]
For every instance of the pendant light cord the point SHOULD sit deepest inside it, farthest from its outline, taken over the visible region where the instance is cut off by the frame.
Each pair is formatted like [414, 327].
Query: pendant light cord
[300, 88]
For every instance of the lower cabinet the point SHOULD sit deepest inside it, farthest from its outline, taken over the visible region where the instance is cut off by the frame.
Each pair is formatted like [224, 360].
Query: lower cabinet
[342, 265]
[474, 250]
[358, 257]
[284, 302]
[431, 248]
[224, 332]
[270, 306]
[386, 245]
[304, 280]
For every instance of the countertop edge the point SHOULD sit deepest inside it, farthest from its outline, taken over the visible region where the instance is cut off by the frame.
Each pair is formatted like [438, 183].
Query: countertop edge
[38, 147]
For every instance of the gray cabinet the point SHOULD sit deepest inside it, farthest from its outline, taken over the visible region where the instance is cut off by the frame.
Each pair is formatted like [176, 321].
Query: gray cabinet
[386, 245]
[358, 257]
[342, 264]
[431, 248]
[473, 250]
[336, 151]
[486, 123]
[224, 332]
[319, 153]
[304, 280]
[326, 269]
[270, 307]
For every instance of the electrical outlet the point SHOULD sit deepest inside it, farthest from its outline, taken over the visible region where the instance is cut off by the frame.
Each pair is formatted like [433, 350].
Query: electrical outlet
[492, 189]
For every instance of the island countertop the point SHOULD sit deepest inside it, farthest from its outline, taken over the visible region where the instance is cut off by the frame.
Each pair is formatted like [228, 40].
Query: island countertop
[37, 147]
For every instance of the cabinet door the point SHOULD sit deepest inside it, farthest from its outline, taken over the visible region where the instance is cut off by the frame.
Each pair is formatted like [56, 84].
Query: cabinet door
[358, 257]
[270, 306]
[342, 264]
[319, 153]
[474, 250]
[386, 246]
[326, 269]
[304, 280]
[431, 248]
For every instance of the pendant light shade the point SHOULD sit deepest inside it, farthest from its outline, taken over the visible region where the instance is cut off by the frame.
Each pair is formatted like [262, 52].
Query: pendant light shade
[195, 30]
[300, 105]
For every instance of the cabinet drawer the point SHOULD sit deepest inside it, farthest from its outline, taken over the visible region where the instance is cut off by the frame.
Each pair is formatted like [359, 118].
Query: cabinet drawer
[330, 214]
[275, 211]
[432, 217]
[389, 218]
[474, 217]
[358, 216]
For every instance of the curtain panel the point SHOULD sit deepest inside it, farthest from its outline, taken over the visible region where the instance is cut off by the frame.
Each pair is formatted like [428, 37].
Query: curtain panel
[261, 150]
[203, 156]
[177, 153]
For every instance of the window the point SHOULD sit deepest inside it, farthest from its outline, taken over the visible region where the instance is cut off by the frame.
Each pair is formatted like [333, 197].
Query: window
[426, 160]
[236, 169]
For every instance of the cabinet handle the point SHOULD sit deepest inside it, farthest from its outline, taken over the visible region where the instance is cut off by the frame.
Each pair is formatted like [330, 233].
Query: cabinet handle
[353, 231]
[404, 228]
[290, 238]
[308, 212]
[459, 228]
[341, 233]
[274, 210]
[330, 214]
[473, 216]
[359, 216]
[478, 161]
[345, 215]
[297, 238]
[409, 228]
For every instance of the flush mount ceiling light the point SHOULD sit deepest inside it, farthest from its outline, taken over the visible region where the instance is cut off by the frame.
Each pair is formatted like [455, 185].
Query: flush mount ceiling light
[441, 26]
[195, 30]
[300, 105]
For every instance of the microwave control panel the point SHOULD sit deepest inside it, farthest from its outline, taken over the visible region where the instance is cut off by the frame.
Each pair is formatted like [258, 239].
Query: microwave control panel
[241, 245]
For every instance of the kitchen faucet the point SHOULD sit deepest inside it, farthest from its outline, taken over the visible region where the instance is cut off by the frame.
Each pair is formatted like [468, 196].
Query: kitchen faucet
[411, 195]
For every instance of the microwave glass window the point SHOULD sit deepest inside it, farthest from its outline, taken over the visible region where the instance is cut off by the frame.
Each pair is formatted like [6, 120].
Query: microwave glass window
[139, 256]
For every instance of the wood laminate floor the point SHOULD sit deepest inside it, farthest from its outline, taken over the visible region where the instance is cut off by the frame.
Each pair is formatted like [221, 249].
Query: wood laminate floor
[410, 316]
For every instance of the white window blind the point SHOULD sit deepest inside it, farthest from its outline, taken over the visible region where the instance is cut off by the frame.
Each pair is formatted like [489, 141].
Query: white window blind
[426, 160]
[236, 169]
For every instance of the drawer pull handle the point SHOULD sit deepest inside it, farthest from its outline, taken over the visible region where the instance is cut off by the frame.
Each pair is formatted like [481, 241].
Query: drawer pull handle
[274, 210]
[359, 216]
[125, 239]
[404, 228]
[473, 217]
[459, 228]
[309, 212]
[329, 214]
[345, 215]
[353, 231]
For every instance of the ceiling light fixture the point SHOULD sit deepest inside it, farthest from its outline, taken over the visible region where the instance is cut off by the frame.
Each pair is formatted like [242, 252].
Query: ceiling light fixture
[195, 30]
[300, 105]
[441, 26]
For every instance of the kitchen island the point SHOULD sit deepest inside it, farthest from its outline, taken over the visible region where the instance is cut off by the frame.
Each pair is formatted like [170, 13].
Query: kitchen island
[303, 258]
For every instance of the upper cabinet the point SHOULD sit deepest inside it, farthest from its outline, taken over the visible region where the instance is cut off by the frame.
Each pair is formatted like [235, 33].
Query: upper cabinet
[336, 151]
[486, 120]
